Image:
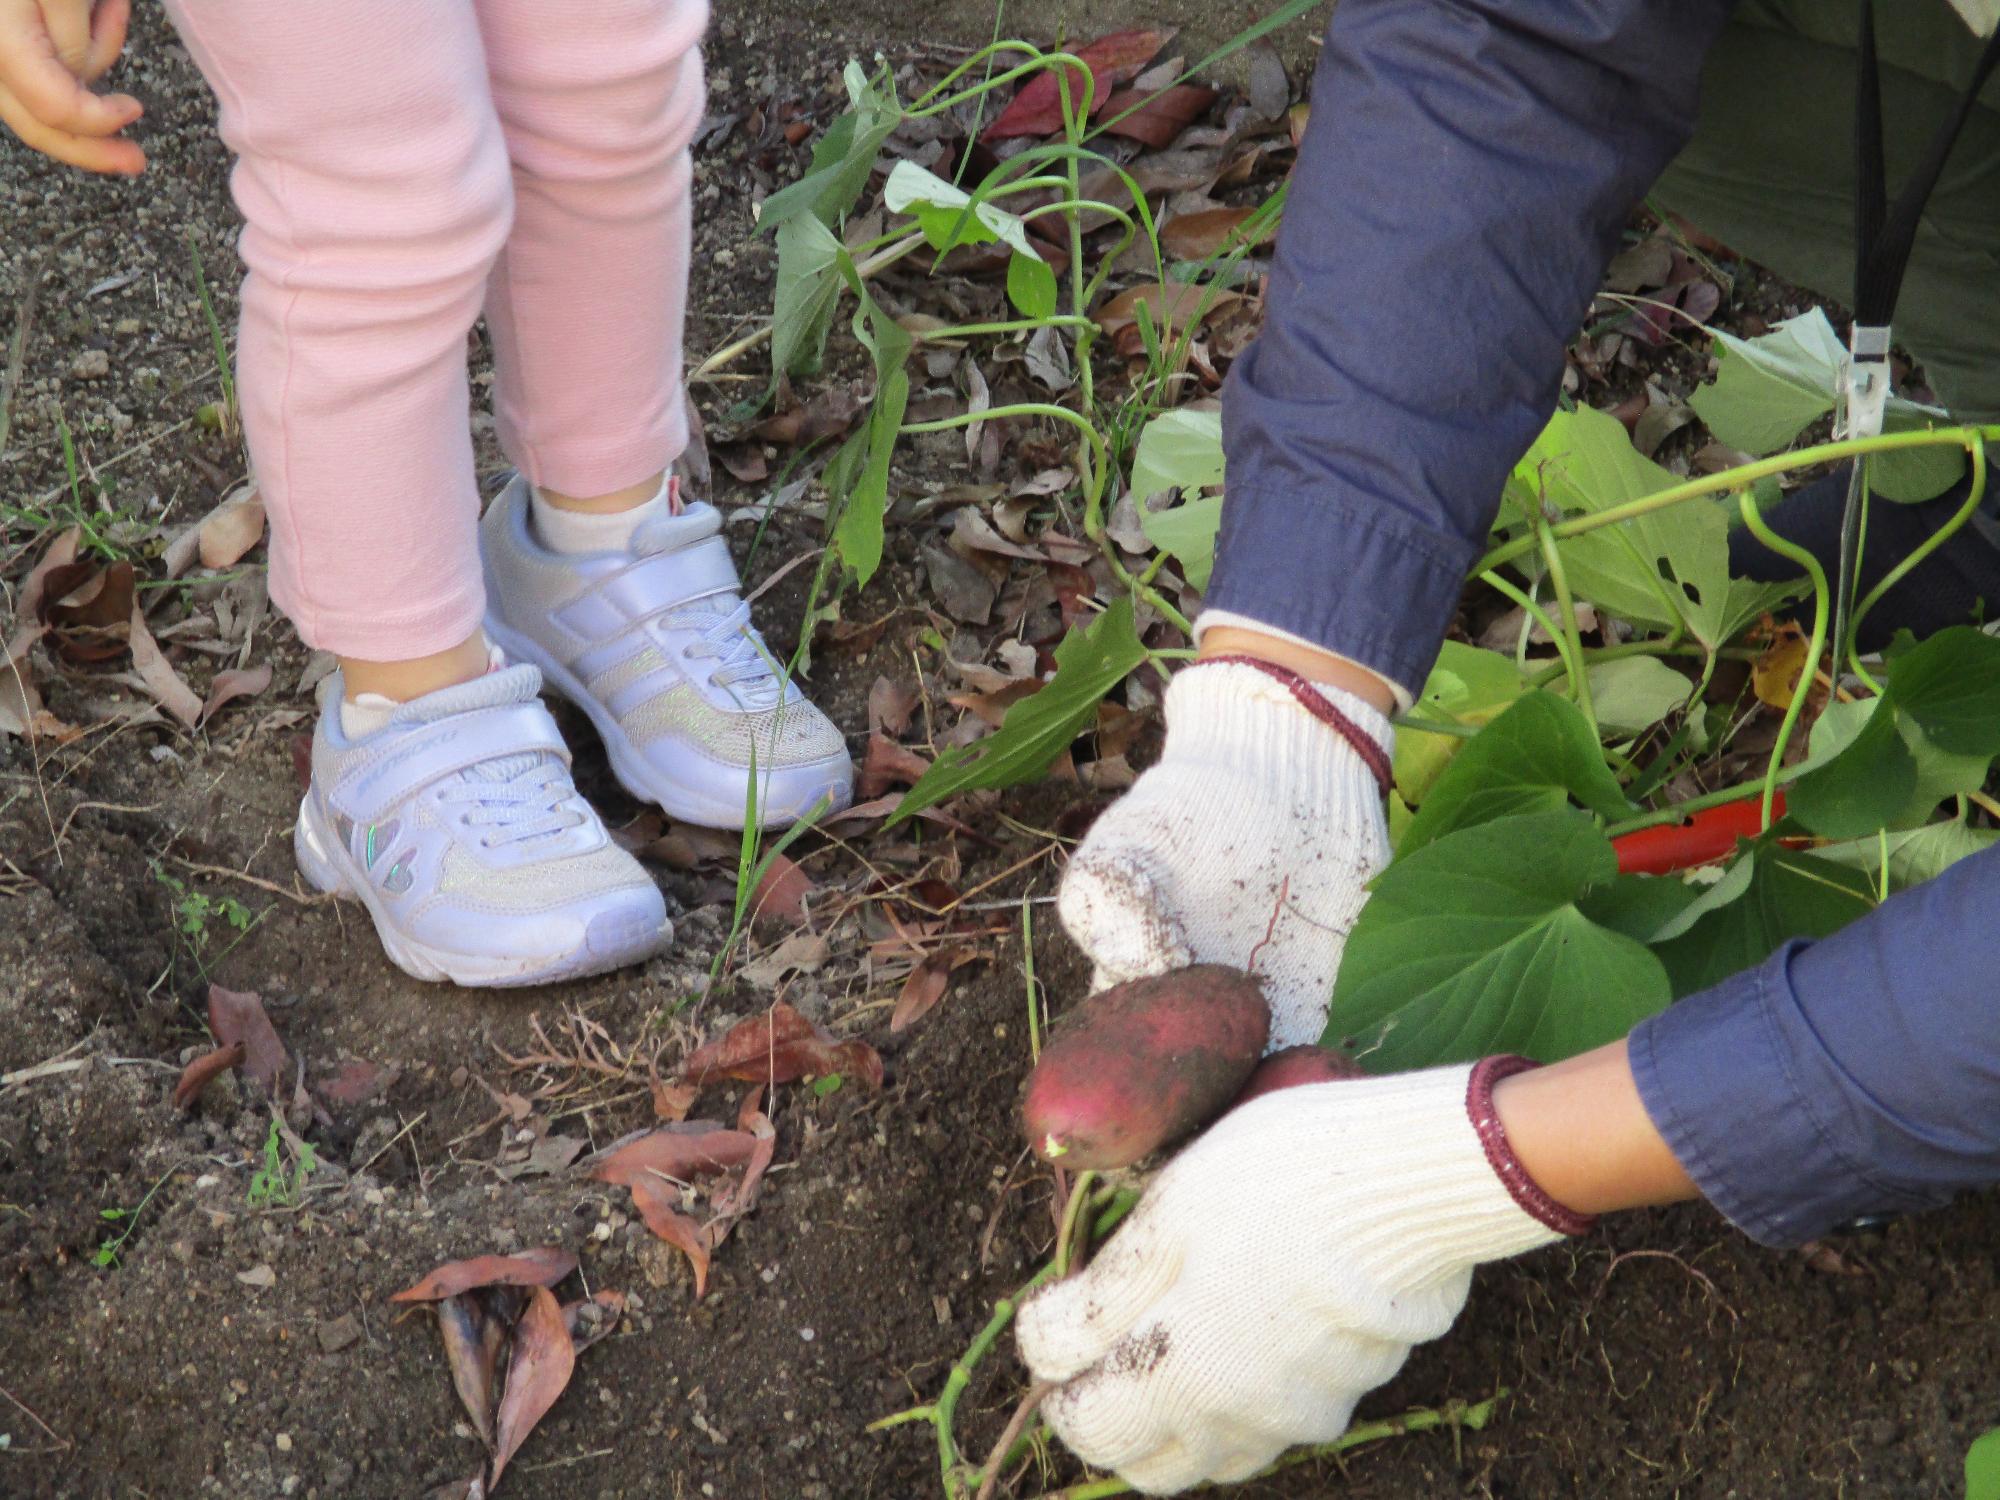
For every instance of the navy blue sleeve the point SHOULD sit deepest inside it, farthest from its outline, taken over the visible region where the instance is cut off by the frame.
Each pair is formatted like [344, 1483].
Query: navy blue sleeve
[1856, 1074]
[1462, 184]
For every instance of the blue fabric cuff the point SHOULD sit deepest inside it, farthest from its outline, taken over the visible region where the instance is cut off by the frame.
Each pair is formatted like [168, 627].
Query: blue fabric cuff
[1345, 571]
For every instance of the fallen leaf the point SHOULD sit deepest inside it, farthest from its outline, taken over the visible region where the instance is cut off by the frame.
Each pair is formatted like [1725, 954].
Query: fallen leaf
[1774, 675]
[543, 1267]
[887, 764]
[543, 1360]
[693, 465]
[782, 892]
[681, 1151]
[20, 700]
[922, 990]
[88, 609]
[1112, 60]
[672, 1101]
[991, 708]
[204, 1070]
[548, 1156]
[61, 553]
[237, 682]
[260, 1276]
[472, 1343]
[592, 1318]
[357, 1082]
[890, 705]
[232, 528]
[1197, 236]
[1158, 118]
[827, 415]
[745, 464]
[237, 1017]
[738, 1198]
[1270, 87]
[801, 952]
[778, 1046]
[656, 1204]
[963, 590]
[159, 677]
[1172, 305]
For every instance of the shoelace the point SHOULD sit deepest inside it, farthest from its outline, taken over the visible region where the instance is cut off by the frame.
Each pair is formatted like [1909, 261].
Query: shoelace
[743, 660]
[530, 804]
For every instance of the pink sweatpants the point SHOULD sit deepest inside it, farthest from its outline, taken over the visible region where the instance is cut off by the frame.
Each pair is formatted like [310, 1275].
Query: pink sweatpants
[404, 163]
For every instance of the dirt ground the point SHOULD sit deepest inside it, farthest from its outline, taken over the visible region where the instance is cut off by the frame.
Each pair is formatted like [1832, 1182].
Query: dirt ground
[251, 1352]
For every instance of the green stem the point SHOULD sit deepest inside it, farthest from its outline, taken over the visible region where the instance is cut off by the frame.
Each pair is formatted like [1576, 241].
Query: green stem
[1681, 810]
[1079, 1194]
[1579, 676]
[1974, 494]
[1540, 616]
[1754, 519]
[1422, 1419]
[1011, 325]
[1740, 478]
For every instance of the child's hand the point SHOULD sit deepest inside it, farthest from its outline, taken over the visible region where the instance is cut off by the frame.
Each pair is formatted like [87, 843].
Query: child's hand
[49, 49]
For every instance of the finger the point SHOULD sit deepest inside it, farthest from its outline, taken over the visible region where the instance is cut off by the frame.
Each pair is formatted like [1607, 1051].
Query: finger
[52, 94]
[1178, 1465]
[108, 155]
[68, 26]
[1070, 1326]
[1112, 1416]
[107, 37]
[1117, 907]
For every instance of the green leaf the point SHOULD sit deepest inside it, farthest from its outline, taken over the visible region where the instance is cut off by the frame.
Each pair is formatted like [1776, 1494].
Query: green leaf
[948, 215]
[1912, 475]
[1733, 885]
[1089, 663]
[1634, 693]
[843, 158]
[1660, 570]
[1982, 1467]
[1474, 945]
[1532, 759]
[809, 266]
[1790, 894]
[1866, 784]
[1467, 686]
[1767, 390]
[1031, 286]
[857, 535]
[1187, 533]
[1950, 684]
[1640, 906]
[1915, 854]
[1178, 450]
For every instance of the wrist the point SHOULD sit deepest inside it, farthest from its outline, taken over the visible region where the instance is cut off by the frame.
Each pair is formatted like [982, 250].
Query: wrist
[1241, 707]
[1320, 667]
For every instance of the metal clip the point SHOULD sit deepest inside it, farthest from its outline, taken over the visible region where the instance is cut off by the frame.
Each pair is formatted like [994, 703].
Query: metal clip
[1864, 382]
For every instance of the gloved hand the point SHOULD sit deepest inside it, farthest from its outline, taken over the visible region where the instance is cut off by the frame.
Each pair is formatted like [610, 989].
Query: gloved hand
[1263, 815]
[1280, 1268]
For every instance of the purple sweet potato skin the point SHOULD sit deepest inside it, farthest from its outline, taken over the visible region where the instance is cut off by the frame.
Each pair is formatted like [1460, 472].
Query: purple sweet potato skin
[1142, 1064]
[1305, 1063]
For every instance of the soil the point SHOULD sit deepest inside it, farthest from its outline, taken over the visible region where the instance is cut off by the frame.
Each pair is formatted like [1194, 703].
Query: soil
[250, 1351]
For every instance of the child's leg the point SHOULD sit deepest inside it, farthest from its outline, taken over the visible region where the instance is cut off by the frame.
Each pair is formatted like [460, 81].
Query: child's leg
[599, 102]
[374, 182]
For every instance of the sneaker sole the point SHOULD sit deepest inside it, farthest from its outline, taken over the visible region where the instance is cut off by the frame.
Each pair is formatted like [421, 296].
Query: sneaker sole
[786, 796]
[327, 867]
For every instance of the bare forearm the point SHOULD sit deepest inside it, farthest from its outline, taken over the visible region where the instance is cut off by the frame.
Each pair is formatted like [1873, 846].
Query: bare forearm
[1580, 1130]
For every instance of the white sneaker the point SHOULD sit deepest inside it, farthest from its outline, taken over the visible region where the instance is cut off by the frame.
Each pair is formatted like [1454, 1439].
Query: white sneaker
[458, 827]
[655, 644]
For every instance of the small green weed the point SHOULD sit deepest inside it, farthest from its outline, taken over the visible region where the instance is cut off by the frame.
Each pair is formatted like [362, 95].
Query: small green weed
[108, 1251]
[196, 915]
[282, 1178]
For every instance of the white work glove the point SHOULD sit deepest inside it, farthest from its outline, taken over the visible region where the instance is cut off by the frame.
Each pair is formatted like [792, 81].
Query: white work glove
[1279, 1269]
[1261, 807]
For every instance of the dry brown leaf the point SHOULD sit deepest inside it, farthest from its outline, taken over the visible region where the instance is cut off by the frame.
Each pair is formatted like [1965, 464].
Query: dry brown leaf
[592, 1318]
[1158, 118]
[232, 528]
[1197, 236]
[778, 1046]
[238, 1016]
[890, 705]
[472, 1342]
[922, 990]
[204, 1070]
[544, 1358]
[20, 700]
[681, 1151]
[237, 682]
[672, 1101]
[657, 1205]
[801, 952]
[158, 676]
[1173, 305]
[782, 893]
[543, 1266]
[357, 1082]
[887, 764]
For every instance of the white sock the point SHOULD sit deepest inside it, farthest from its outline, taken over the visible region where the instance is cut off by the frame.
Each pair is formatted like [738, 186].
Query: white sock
[576, 531]
[362, 716]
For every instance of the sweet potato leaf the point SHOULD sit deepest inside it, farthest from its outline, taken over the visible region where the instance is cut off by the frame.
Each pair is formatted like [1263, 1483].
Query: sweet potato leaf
[1788, 894]
[1475, 944]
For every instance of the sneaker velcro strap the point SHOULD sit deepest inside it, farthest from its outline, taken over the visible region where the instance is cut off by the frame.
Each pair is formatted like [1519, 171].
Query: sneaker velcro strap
[666, 580]
[423, 754]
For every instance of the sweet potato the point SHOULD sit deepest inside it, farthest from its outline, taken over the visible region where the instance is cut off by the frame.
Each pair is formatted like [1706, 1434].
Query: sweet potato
[1140, 1065]
[1305, 1063]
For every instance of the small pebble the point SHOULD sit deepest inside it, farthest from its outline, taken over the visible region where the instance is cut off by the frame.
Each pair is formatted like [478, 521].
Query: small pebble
[91, 364]
[806, 1334]
[284, 1442]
